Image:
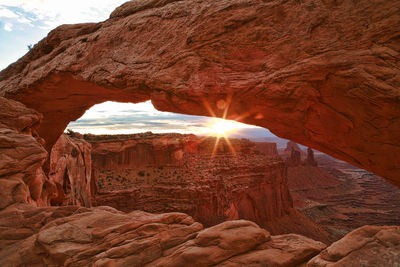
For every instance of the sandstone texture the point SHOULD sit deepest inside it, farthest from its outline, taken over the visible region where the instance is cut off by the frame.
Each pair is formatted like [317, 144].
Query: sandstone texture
[321, 73]
[366, 246]
[70, 171]
[21, 156]
[103, 236]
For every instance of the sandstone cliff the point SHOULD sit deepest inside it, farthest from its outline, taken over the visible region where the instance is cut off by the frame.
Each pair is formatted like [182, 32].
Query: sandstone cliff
[213, 183]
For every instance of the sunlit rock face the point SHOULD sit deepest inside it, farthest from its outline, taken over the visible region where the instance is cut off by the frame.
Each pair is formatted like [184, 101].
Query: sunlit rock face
[323, 73]
[70, 171]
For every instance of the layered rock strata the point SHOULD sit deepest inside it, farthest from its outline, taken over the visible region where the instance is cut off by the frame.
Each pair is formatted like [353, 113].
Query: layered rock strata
[341, 197]
[211, 180]
[321, 73]
[168, 172]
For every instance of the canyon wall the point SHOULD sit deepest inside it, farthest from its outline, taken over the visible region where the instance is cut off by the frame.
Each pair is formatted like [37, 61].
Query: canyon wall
[321, 73]
[103, 236]
[212, 182]
[338, 196]
[173, 172]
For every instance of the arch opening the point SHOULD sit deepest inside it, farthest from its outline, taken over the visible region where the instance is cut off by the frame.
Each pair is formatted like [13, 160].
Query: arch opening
[133, 168]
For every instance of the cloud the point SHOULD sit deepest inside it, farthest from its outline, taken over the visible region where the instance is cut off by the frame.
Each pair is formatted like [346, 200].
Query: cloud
[123, 118]
[6, 13]
[8, 27]
[51, 13]
[24, 22]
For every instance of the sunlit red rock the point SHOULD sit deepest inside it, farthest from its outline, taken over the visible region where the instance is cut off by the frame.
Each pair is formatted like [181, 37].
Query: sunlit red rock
[319, 73]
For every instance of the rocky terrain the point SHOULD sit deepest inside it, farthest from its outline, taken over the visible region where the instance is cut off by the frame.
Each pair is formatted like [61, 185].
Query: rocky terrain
[321, 73]
[339, 196]
[103, 236]
[235, 179]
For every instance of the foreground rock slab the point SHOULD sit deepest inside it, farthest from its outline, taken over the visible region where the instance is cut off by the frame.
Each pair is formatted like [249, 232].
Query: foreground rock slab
[365, 246]
[103, 236]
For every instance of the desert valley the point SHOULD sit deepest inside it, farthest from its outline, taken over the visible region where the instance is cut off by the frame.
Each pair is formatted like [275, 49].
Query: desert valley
[323, 74]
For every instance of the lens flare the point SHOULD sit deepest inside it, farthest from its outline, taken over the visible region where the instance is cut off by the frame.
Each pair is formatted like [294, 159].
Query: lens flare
[223, 127]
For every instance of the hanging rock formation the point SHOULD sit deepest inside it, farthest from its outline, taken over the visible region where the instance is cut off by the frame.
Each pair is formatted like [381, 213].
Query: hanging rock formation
[321, 73]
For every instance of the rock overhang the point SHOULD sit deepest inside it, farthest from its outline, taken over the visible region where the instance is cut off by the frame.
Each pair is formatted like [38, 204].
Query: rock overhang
[323, 74]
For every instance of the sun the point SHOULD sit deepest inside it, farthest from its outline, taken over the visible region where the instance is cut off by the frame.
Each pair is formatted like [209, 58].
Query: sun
[222, 127]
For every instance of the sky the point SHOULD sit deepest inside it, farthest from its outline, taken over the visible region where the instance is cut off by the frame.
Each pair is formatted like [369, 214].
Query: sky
[26, 22]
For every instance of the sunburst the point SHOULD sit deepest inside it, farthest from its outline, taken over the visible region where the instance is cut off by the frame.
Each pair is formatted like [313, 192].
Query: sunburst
[220, 127]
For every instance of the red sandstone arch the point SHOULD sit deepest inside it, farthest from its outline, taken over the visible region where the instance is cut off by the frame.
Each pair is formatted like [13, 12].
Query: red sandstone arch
[323, 73]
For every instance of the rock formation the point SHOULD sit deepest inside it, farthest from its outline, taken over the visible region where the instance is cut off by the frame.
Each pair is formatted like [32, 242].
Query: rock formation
[185, 173]
[366, 246]
[268, 149]
[103, 236]
[291, 146]
[310, 160]
[21, 157]
[294, 159]
[293, 155]
[321, 73]
[70, 170]
[340, 197]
